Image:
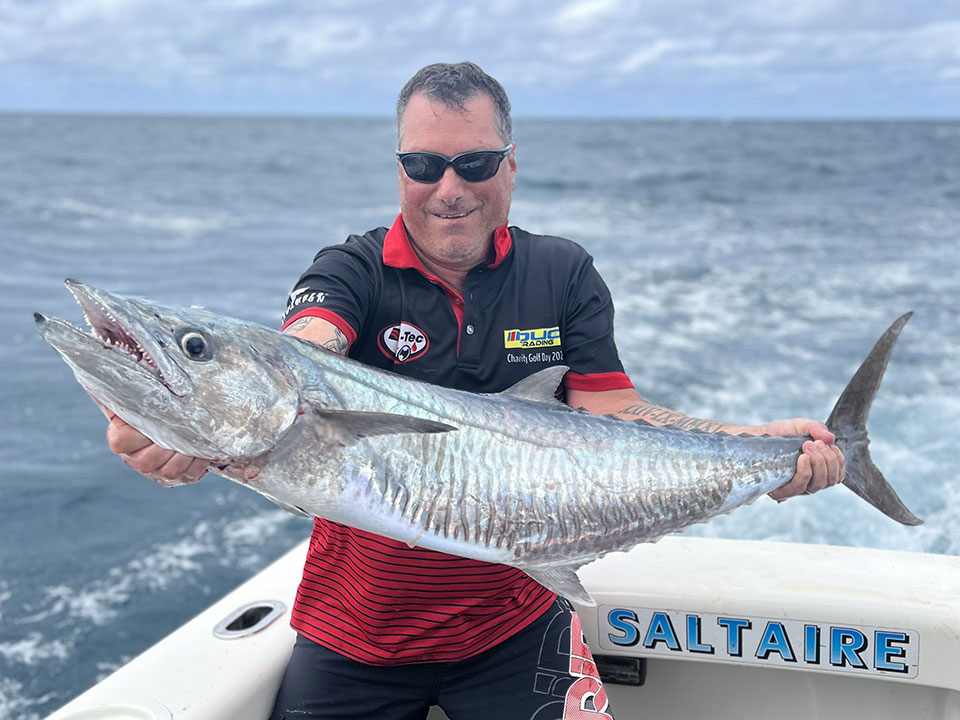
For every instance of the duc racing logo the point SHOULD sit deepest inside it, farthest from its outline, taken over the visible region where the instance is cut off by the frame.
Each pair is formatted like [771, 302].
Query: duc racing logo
[403, 342]
[536, 338]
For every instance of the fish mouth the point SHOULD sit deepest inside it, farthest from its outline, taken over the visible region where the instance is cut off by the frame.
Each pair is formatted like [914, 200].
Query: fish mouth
[116, 327]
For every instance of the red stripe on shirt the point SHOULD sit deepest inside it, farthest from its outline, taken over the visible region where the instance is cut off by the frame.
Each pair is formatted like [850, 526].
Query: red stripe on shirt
[380, 602]
[329, 316]
[596, 382]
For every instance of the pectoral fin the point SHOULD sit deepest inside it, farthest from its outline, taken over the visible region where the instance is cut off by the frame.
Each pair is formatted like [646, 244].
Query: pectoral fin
[365, 424]
[562, 580]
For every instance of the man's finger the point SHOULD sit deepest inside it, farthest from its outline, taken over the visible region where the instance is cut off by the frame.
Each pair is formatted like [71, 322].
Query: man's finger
[197, 469]
[834, 459]
[797, 484]
[161, 480]
[819, 431]
[149, 459]
[176, 467]
[820, 472]
[124, 439]
[843, 463]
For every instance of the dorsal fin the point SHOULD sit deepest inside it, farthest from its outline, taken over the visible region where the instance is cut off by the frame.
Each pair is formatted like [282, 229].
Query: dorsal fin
[539, 387]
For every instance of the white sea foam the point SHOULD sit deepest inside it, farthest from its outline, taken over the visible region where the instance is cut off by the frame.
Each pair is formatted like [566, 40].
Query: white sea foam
[16, 705]
[171, 561]
[99, 601]
[5, 595]
[105, 669]
[234, 542]
[34, 647]
[243, 538]
[178, 224]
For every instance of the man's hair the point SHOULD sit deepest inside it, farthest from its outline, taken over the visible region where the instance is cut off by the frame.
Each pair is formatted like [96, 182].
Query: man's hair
[453, 85]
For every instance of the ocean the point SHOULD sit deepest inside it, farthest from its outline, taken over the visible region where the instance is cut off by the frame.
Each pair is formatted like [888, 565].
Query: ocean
[753, 265]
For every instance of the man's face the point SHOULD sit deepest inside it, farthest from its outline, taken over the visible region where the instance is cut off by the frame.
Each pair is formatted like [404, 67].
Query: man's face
[451, 221]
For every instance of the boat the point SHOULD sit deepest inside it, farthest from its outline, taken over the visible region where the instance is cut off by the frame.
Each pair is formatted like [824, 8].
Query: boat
[684, 629]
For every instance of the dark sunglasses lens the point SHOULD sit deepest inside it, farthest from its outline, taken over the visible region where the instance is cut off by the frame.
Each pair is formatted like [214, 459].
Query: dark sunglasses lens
[478, 166]
[424, 168]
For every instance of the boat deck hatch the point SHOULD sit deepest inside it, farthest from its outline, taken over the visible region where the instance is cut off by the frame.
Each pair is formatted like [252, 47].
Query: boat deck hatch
[249, 619]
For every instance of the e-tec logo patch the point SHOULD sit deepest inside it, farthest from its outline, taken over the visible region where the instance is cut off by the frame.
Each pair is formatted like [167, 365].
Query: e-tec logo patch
[538, 337]
[403, 342]
[304, 295]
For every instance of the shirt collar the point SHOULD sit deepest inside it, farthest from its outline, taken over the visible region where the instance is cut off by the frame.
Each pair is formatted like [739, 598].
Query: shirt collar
[398, 252]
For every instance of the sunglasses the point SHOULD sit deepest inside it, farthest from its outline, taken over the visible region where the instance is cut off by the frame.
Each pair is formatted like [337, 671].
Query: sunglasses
[473, 166]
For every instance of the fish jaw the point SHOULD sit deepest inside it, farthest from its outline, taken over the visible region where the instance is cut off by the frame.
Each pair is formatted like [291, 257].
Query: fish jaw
[234, 401]
[122, 326]
[118, 347]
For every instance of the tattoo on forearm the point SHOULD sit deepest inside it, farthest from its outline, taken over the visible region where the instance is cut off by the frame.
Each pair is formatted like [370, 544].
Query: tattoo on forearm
[338, 343]
[662, 416]
[298, 325]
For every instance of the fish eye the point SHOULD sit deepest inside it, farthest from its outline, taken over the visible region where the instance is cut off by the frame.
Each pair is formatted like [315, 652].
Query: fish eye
[193, 344]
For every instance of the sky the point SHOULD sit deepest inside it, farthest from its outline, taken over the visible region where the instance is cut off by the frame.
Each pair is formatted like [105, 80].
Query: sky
[649, 58]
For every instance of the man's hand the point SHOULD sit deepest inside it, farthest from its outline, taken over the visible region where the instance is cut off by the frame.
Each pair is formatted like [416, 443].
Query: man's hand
[140, 453]
[821, 463]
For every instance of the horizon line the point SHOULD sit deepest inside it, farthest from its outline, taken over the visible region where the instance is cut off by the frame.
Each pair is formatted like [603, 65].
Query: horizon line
[656, 117]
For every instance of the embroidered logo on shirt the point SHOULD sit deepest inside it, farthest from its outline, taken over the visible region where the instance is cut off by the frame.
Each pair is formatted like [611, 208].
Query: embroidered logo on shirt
[538, 337]
[403, 342]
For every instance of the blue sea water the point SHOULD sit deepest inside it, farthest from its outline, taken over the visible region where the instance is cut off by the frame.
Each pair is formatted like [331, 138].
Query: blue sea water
[753, 265]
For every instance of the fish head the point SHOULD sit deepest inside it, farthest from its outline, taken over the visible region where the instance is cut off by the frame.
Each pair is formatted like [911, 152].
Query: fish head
[191, 381]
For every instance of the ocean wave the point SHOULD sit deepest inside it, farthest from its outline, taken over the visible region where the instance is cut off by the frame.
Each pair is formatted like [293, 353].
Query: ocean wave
[5, 595]
[189, 225]
[234, 543]
[17, 704]
[33, 648]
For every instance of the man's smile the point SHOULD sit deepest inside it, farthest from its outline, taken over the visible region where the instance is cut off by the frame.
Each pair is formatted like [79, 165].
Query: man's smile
[453, 216]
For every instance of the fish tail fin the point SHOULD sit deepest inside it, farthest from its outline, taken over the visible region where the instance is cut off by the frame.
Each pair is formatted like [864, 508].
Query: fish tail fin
[848, 422]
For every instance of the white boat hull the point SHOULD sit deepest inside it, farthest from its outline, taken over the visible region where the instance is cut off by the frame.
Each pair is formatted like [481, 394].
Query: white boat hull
[778, 630]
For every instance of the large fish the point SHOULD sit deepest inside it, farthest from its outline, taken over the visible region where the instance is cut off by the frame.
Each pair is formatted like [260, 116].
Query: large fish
[514, 477]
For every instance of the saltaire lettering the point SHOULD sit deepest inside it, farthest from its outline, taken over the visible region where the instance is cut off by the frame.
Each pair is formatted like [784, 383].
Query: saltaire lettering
[821, 645]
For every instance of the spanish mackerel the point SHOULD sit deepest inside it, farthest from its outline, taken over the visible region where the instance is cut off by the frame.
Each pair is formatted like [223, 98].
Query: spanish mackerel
[514, 477]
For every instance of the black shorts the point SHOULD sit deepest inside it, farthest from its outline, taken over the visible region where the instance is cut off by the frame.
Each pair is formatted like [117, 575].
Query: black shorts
[544, 672]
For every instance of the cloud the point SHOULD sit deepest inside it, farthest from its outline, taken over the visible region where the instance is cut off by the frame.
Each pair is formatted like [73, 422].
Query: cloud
[353, 55]
[647, 55]
[576, 15]
[734, 60]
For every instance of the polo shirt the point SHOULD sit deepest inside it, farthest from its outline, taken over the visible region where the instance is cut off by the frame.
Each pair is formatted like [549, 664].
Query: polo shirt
[539, 303]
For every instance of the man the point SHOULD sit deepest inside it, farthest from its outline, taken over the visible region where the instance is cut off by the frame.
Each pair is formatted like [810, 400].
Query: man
[386, 630]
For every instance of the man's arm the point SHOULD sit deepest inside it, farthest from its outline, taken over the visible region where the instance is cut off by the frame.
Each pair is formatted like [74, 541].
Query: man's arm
[320, 332]
[170, 468]
[820, 465]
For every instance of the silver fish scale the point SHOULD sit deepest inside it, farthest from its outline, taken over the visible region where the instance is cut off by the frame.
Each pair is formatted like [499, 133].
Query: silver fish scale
[574, 486]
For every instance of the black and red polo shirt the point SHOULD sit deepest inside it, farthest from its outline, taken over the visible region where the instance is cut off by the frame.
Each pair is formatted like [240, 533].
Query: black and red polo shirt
[539, 303]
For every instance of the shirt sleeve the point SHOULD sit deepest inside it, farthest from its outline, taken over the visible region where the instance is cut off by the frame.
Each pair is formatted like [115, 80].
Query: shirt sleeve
[588, 344]
[340, 287]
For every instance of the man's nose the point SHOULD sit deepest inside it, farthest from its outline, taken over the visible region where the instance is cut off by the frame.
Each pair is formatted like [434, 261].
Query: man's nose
[450, 187]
